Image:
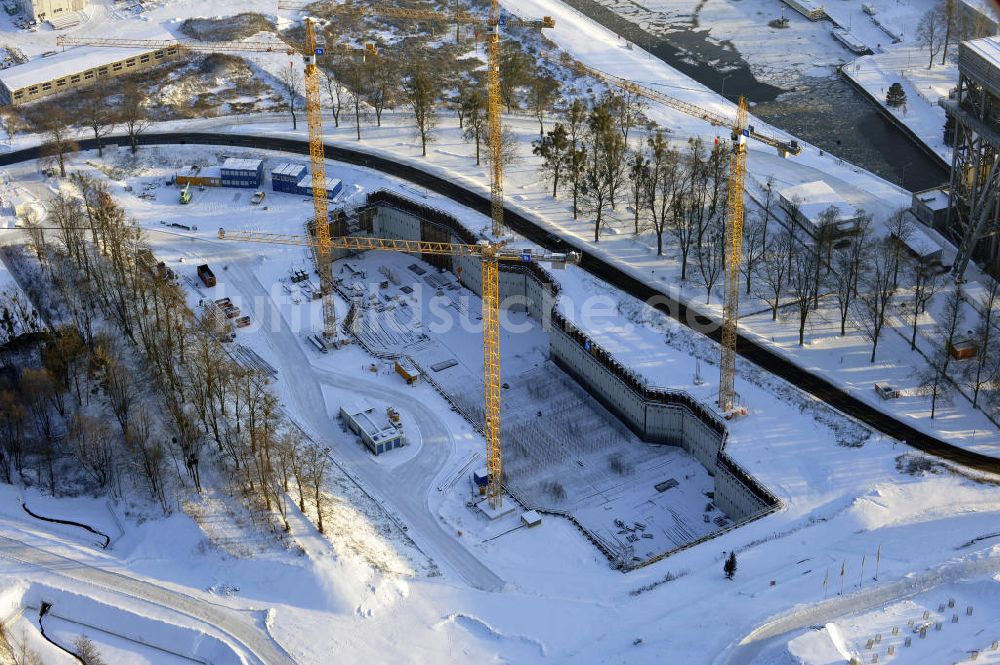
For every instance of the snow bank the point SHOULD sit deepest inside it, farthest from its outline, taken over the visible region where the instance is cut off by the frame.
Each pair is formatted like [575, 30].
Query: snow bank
[186, 641]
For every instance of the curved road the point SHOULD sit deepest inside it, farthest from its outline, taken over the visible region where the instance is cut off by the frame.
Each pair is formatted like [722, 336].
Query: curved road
[613, 274]
[407, 487]
[778, 628]
[230, 622]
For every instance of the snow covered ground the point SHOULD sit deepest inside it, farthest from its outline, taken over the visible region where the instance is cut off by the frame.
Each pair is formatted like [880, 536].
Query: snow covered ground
[907, 65]
[530, 595]
[450, 585]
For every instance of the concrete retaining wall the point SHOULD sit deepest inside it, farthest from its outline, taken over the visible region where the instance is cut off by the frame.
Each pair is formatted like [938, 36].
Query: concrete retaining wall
[656, 415]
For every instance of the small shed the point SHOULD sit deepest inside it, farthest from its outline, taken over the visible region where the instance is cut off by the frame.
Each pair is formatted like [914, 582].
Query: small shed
[931, 207]
[920, 245]
[531, 518]
[481, 478]
[963, 349]
[374, 428]
[408, 371]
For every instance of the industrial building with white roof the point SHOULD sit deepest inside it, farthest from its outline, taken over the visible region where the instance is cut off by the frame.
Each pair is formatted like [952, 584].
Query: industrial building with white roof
[74, 68]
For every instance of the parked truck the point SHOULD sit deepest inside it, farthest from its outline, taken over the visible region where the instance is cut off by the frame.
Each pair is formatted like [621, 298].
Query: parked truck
[206, 275]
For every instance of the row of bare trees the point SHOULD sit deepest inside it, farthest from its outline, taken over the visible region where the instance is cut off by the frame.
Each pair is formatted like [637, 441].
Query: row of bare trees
[129, 331]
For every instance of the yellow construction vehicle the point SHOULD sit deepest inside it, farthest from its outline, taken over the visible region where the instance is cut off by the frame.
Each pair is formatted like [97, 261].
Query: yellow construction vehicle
[490, 256]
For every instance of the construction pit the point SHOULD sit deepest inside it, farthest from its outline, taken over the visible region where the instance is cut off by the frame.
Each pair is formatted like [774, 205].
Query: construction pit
[564, 452]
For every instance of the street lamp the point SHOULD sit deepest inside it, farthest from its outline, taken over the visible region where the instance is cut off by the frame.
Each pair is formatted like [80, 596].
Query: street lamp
[902, 176]
[724, 79]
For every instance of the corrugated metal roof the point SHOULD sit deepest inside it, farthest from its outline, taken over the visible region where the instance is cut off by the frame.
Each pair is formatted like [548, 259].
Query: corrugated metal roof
[988, 48]
[289, 169]
[238, 164]
[331, 183]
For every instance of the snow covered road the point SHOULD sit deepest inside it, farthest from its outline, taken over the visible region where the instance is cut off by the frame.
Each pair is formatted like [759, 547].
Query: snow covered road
[746, 650]
[237, 627]
[407, 486]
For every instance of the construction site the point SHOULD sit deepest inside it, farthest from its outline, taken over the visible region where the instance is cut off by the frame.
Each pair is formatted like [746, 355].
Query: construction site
[494, 330]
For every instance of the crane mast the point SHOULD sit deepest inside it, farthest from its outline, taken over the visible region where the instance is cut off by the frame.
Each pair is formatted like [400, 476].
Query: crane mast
[490, 256]
[493, 116]
[317, 159]
[734, 257]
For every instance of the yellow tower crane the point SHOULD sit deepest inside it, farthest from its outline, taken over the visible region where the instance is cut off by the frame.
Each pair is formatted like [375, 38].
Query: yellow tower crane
[492, 24]
[734, 257]
[490, 256]
[310, 51]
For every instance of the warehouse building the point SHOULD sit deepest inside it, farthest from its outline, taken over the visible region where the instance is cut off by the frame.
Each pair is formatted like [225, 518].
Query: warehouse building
[238, 172]
[376, 429]
[294, 179]
[41, 10]
[73, 69]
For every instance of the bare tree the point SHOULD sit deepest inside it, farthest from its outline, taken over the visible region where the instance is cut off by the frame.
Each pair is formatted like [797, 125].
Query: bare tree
[87, 652]
[876, 295]
[932, 381]
[950, 322]
[422, 94]
[754, 233]
[315, 461]
[353, 76]
[628, 107]
[334, 91]
[900, 231]
[515, 71]
[508, 148]
[12, 417]
[383, 84]
[638, 171]
[950, 17]
[931, 32]
[15, 651]
[576, 123]
[543, 91]
[934, 378]
[986, 368]
[603, 164]
[802, 286]
[473, 105]
[120, 389]
[847, 265]
[773, 272]
[134, 116]
[12, 122]
[291, 90]
[55, 126]
[711, 254]
[92, 446]
[98, 114]
[662, 184]
[925, 282]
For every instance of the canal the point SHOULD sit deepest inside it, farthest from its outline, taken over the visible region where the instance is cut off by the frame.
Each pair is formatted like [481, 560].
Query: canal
[823, 110]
